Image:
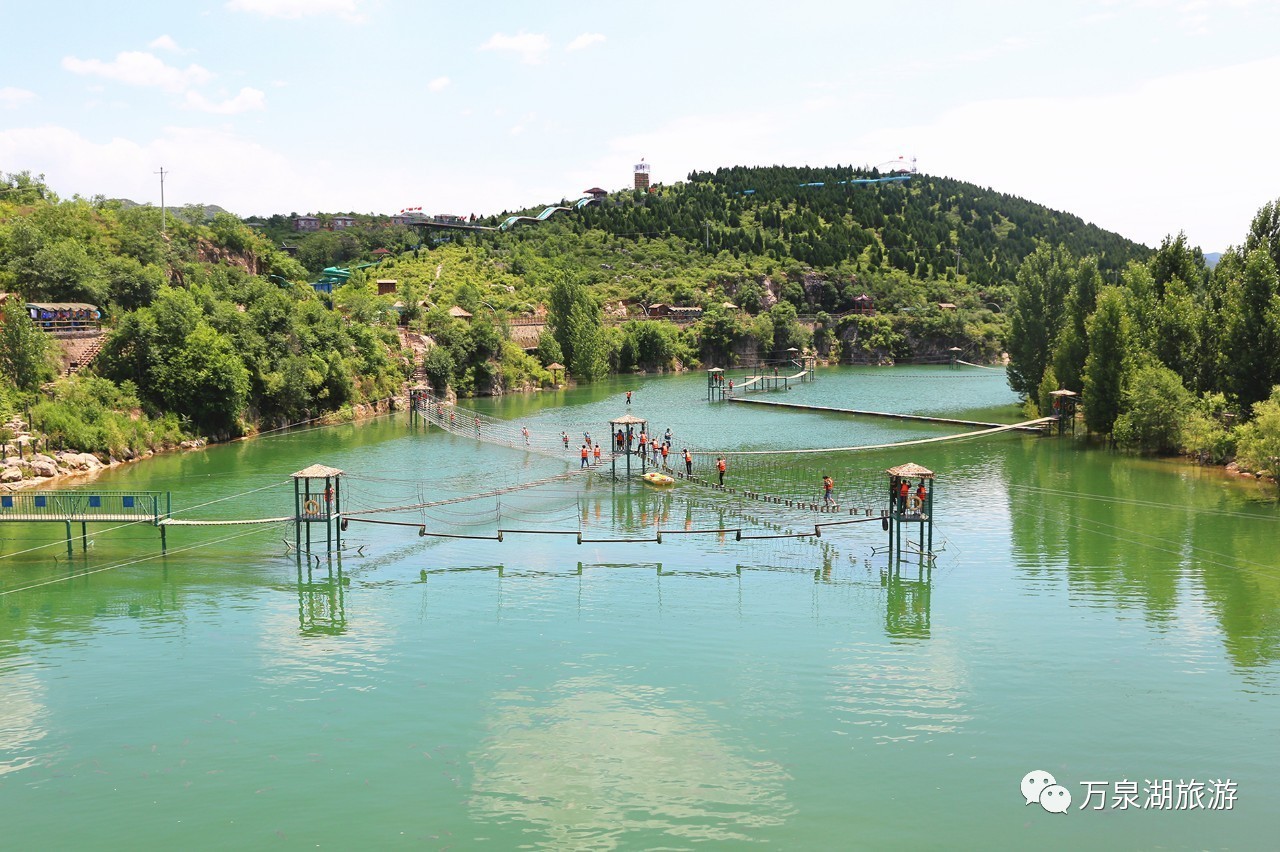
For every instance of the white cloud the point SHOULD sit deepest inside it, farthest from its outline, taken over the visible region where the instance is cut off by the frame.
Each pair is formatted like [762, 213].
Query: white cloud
[531, 47]
[11, 97]
[208, 165]
[247, 100]
[585, 40]
[439, 84]
[140, 69]
[348, 10]
[165, 42]
[1126, 160]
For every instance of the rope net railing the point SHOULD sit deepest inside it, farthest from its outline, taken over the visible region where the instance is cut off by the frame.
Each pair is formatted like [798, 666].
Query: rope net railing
[788, 478]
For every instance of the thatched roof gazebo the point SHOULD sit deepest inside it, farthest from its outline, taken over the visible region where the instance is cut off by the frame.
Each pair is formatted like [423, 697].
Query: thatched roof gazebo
[910, 470]
[908, 507]
[630, 428]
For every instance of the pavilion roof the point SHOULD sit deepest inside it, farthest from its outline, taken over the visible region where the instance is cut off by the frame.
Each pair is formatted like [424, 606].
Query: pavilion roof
[910, 470]
[627, 420]
[317, 471]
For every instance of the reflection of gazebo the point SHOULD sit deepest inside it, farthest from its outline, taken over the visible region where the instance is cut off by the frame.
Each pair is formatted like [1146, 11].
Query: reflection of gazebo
[631, 427]
[554, 367]
[907, 604]
[907, 506]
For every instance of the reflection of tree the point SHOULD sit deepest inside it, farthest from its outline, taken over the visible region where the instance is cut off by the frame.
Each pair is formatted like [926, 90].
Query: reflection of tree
[1130, 532]
[1245, 592]
[602, 760]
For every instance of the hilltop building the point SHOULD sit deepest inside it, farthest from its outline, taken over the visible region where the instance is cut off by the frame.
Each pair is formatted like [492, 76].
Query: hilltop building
[642, 176]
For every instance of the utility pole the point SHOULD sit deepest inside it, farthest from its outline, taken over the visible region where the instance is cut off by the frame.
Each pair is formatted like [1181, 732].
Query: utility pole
[162, 222]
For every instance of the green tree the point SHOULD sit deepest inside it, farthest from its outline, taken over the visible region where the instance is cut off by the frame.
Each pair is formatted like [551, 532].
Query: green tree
[1156, 408]
[1044, 393]
[1251, 320]
[1259, 439]
[26, 352]
[204, 379]
[1044, 279]
[1072, 346]
[439, 366]
[548, 351]
[1110, 335]
[588, 361]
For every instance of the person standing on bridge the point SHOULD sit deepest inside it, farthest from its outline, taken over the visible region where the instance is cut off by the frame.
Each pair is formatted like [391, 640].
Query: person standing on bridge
[688, 463]
[628, 397]
[720, 466]
[596, 451]
[666, 448]
[653, 445]
[828, 491]
[586, 436]
[564, 436]
[731, 387]
[477, 427]
[584, 455]
[666, 438]
[524, 430]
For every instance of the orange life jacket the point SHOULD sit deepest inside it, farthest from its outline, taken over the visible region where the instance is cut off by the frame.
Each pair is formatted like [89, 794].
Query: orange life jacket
[584, 452]
[720, 465]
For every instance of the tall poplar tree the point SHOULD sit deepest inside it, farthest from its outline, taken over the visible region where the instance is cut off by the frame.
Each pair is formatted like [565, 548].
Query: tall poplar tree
[1110, 335]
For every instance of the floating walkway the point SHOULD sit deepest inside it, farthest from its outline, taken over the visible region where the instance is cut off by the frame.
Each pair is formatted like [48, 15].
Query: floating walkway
[1028, 426]
[183, 522]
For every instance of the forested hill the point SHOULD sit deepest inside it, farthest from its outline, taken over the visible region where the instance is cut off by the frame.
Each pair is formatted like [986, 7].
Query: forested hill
[915, 226]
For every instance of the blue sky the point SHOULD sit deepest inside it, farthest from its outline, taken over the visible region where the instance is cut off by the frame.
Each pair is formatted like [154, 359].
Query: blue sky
[1146, 117]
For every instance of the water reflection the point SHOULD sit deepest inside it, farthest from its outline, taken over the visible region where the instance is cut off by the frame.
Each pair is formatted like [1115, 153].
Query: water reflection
[322, 608]
[908, 600]
[22, 708]
[594, 761]
[1126, 539]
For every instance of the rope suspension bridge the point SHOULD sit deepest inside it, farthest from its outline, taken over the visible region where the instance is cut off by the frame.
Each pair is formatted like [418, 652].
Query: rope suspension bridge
[783, 482]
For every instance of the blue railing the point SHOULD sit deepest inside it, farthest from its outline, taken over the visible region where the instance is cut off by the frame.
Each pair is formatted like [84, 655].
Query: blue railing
[83, 505]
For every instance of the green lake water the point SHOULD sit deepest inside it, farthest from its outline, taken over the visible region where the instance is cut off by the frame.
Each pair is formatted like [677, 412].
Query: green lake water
[1095, 616]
